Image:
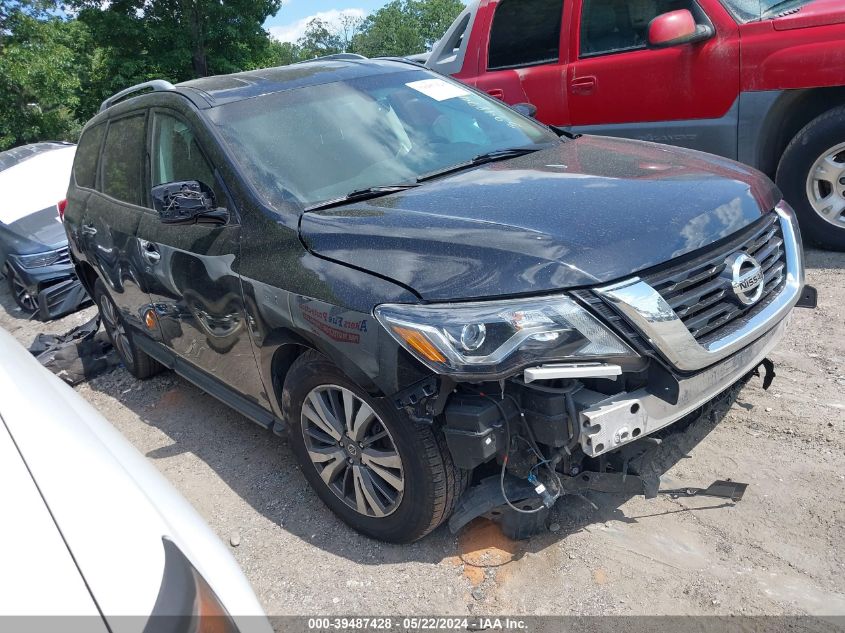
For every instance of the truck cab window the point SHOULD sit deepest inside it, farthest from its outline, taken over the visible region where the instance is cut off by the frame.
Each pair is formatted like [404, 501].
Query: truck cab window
[611, 26]
[525, 33]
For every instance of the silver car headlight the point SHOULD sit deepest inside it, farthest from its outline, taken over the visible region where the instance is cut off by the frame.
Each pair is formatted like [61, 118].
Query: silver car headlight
[494, 338]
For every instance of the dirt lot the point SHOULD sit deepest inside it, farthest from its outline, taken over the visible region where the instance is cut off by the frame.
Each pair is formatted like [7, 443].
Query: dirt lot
[779, 551]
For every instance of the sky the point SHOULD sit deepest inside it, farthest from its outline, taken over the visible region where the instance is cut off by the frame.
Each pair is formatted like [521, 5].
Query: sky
[289, 23]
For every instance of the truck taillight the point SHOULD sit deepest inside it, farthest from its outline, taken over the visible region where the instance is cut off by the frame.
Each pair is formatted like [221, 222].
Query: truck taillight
[61, 207]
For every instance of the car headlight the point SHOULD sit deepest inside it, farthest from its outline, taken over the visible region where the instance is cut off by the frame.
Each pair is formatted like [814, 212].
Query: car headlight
[186, 603]
[40, 260]
[493, 338]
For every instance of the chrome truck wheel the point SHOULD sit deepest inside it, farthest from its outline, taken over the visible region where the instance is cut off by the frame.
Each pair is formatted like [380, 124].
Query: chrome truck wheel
[826, 185]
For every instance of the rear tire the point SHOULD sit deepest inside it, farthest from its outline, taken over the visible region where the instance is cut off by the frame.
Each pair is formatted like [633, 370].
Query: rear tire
[811, 175]
[139, 363]
[430, 482]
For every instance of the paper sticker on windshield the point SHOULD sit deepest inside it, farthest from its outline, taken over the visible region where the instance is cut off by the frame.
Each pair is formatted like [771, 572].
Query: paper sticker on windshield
[438, 89]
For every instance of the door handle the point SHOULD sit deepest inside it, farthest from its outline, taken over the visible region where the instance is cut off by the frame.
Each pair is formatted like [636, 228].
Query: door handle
[88, 229]
[498, 93]
[584, 85]
[150, 253]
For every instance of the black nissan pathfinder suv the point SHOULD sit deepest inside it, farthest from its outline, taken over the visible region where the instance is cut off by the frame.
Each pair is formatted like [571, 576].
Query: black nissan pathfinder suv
[428, 291]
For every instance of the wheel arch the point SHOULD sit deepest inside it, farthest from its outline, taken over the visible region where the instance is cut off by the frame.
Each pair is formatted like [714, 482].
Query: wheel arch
[283, 347]
[87, 275]
[770, 120]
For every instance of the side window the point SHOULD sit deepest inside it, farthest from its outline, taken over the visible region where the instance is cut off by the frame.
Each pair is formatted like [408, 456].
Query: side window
[85, 162]
[123, 159]
[611, 26]
[525, 33]
[176, 155]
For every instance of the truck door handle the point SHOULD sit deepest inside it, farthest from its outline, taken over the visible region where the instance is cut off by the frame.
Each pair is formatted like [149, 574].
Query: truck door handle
[498, 93]
[584, 85]
[88, 229]
[150, 253]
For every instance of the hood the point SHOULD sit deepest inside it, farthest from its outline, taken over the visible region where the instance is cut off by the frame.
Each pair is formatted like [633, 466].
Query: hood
[34, 233]
[818, 13]
[587, 211]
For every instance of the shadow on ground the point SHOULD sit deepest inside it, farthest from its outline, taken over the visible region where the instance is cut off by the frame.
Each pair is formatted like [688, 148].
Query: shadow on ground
[260, 468]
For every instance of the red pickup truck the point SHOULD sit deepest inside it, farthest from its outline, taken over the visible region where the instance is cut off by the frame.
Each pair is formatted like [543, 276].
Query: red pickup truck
[759, 81]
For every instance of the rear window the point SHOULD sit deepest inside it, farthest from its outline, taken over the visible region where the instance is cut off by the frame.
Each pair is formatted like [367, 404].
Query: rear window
[85, 165]
[123, 159]
[525, 33]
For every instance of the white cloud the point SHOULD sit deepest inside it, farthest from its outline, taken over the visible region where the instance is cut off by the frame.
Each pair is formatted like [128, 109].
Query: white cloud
[292, 32]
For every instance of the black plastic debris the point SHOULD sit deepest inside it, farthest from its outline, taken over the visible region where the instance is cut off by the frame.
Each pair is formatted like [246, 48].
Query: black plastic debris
[78, 355]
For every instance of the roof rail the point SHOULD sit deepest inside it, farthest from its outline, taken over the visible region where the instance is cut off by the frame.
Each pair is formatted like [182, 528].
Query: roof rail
[337, 56]
[156, 85]
[401, 60]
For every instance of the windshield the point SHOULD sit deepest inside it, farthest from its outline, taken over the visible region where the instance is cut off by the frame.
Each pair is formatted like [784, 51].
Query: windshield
[320, 143]
[750, 10]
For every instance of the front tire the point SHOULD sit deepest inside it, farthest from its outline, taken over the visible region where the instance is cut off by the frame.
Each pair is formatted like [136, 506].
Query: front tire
[811, 176]
[139, 363]
[26, 301]
[382, 474]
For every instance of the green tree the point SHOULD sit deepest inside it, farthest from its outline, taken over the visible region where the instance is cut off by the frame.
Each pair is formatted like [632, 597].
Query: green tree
[174, 39]
[405, 27]
[434, 17]
[280, 54]
[42, 63]
[319, 39]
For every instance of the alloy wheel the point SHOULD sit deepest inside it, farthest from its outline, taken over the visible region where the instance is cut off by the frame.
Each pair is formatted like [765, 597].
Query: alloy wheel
[116, 330]
[826, 186]
[22, 296]
[352, 450]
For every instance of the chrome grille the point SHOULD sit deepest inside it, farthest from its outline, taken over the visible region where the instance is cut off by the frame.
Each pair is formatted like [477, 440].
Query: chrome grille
[700, 296]
[64, 256]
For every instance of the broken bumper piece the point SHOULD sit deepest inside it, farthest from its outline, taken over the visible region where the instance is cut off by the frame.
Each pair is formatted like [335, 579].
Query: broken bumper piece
[61, 298]
[610, 422]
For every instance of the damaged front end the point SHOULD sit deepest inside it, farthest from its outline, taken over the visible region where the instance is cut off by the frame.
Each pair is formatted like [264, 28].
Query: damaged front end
[564, 436]
[49, 281]
[549, 396]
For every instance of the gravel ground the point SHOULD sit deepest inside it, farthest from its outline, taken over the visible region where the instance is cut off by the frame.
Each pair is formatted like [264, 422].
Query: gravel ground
[778, 551]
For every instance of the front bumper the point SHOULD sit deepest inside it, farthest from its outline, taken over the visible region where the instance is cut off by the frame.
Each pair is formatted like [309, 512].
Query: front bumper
[61, 298]
[610, 422]
[57, 288]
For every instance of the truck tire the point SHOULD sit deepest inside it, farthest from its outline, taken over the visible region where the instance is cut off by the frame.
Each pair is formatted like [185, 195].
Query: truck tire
[139, 363]
[811, 175]
[384, 475]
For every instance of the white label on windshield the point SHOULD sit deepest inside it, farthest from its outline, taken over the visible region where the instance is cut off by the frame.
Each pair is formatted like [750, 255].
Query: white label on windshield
[438, 89]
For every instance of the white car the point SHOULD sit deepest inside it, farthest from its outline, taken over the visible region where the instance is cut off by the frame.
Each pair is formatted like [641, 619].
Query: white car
[34, 254]
[90, 528]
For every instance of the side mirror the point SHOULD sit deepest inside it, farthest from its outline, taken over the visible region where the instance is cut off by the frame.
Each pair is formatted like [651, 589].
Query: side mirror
[676, 27]
[526, 109]
[187, 202]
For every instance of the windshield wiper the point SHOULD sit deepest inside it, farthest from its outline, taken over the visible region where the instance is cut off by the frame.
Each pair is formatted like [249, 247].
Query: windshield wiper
[383, 190]
[779, 7]
[481, 159]
[367, 193]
